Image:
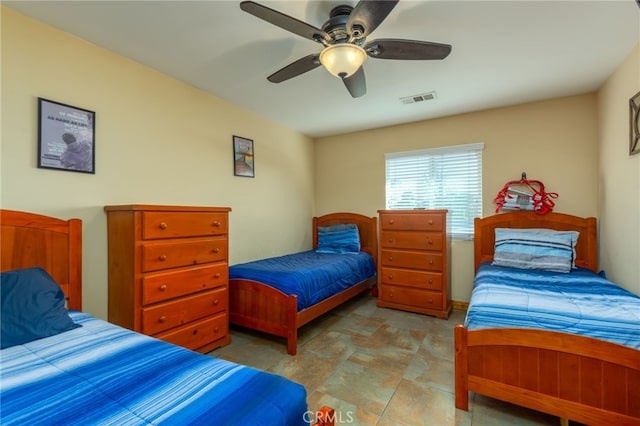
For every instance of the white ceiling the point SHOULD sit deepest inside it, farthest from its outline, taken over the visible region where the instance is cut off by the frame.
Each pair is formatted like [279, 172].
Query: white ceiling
[504, 53]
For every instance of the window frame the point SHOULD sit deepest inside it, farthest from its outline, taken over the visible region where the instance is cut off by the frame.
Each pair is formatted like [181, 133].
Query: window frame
[460, 228]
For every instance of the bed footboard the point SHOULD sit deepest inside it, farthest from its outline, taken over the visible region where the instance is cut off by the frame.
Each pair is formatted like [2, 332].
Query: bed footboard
[260, 307]
[574, 377]
[325, 417]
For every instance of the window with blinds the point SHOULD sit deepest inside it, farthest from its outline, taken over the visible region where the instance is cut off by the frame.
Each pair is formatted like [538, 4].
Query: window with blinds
[438, 178]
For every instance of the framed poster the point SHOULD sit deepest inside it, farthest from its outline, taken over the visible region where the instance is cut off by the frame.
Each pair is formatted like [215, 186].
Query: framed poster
[634, 124]
[66, 137]
[243, 157]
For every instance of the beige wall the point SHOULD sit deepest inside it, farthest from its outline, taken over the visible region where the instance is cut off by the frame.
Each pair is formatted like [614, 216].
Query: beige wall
[553, 141]
[158, 141]
[619, 177]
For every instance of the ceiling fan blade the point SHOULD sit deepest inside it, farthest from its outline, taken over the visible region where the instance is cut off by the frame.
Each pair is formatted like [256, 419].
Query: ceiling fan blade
[296, 68]
[388, 48]
[285, 22]
[356, 84]
[368, 14]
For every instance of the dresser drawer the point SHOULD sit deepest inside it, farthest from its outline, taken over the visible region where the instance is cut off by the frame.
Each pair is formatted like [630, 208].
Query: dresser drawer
[172, 314]
[181, 224]
[412, 240]
[156, 256]
[412, 222]
[168, 285]
[412, 259]
[196, 335]
[411, 296]
[410, 278]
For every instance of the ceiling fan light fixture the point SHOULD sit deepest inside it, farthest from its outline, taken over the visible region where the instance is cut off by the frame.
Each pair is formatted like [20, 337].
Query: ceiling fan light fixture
[342, 60]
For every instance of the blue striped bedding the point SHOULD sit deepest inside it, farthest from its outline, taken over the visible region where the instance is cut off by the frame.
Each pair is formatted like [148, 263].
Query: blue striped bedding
[580, 302]
[103, 374]
[311, 276]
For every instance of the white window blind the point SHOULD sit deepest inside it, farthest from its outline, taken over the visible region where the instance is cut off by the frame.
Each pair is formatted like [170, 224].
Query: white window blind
[438, 178]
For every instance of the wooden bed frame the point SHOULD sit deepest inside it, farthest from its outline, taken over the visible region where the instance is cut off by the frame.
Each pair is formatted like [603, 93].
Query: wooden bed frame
[258, 306]
[573, 377]
[28, 240]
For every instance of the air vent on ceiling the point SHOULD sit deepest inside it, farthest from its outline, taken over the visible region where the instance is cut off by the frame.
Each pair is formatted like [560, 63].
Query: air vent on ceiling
[418, 98]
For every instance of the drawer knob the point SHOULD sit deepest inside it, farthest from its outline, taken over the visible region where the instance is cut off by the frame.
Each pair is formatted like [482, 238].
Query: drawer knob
[390, 258]
[163, 287]
[216, 250]
[430, 261]
[216, 329]
[217, 275]
[163, 225]
[195, 331]
[430, 242]
[216, 302]
[162, 257]
[390, 277]
[162, 319]
[430, 222]
[391, 240]
[392, 221]
[430, 281]
[216, 224]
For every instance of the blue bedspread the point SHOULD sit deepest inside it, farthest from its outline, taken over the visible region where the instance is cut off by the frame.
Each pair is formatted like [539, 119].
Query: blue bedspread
[104, 374]
[580, 302]
[311, 276]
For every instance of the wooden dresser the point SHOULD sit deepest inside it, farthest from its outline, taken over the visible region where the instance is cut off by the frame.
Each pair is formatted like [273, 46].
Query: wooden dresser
[415, 261]
[168, 273]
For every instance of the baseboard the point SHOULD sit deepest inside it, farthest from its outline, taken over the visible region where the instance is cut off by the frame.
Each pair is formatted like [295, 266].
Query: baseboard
[460, 306]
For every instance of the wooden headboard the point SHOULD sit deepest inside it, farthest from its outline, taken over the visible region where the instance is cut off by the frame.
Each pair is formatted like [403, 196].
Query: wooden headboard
[367, 227]
[586, 247]
[28, 240]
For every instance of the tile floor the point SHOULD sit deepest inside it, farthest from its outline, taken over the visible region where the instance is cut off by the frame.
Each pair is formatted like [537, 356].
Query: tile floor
[377, 366]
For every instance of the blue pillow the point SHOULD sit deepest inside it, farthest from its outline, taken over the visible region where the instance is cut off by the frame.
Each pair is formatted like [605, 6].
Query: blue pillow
[543, 249]
[341, 238]
[32, 307]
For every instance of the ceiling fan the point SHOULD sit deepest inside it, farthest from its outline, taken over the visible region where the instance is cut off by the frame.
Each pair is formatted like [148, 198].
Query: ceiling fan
[343, 36]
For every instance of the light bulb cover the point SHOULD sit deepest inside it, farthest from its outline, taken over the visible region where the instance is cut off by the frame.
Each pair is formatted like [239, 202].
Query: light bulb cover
[342, 60]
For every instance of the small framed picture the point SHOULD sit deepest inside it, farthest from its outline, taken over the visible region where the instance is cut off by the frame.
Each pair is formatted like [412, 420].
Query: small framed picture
[243, 157]
[634, 124]
[66, 137]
